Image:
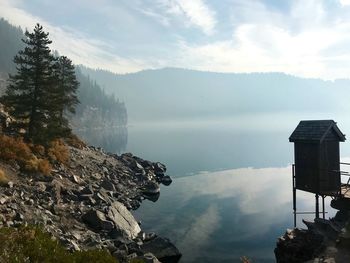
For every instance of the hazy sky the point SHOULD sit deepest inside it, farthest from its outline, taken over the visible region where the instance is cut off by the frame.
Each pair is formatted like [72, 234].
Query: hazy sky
[301, 37]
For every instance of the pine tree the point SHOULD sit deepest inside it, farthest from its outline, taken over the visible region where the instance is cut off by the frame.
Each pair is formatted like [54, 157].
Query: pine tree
[27, 97]
[64, 97]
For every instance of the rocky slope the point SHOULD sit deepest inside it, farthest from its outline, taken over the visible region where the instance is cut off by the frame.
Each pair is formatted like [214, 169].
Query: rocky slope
[85, 204]
[326, 241]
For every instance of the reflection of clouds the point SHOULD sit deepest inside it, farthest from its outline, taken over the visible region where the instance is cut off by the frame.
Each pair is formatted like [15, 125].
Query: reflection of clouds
[227, 214]
[199, 232]
[257, 189]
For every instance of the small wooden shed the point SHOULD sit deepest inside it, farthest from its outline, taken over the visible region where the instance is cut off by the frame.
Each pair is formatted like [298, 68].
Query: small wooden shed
[317, 158]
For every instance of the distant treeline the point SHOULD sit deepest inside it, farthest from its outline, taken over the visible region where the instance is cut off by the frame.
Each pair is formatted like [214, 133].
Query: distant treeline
[97, 109]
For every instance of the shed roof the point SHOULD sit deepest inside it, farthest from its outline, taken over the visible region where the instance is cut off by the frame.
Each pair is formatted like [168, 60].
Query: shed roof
[315, 131]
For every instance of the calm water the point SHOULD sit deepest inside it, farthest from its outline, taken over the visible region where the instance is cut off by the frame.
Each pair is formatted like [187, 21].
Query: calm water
[231, 194]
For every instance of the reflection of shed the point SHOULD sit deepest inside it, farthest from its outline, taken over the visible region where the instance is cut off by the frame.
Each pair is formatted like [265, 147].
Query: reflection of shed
[316, 153]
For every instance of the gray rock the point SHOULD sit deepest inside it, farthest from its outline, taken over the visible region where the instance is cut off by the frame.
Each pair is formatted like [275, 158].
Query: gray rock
[148, 258]
[88, 190]
[3, 200]
[123, 220]
[163, 249]
[166, 180]
[18, 217]
[108, 185]
[97, 220]
[151, 188]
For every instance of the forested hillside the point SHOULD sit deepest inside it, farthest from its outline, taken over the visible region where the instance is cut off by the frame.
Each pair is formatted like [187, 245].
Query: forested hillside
[96, 108]
[220, 95]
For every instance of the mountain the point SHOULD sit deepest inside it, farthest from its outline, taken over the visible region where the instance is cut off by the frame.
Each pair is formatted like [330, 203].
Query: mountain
[180, 94]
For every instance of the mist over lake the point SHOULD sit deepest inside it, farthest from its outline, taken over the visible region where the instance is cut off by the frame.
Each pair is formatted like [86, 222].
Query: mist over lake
[232, 193]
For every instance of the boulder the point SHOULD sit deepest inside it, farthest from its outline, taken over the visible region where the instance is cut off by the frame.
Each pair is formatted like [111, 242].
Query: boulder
[151, 188]
[298, 245]
[159, 169]
[166, 180]
[163, 249]
[97, 220]
[123, 220]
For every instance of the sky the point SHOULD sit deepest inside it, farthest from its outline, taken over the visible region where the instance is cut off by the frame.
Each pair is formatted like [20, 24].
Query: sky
[307, 38]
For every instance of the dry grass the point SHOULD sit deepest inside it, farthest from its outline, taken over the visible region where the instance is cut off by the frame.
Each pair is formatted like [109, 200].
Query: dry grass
[14, 149]
[3, 178]
[35, 164]
[58, 152]
[38, 149]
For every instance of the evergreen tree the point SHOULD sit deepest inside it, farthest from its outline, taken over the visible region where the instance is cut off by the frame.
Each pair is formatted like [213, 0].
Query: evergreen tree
[64, 97]
[27, 97]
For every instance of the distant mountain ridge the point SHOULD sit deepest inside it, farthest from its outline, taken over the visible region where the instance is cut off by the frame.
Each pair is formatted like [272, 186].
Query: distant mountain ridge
[173, 93]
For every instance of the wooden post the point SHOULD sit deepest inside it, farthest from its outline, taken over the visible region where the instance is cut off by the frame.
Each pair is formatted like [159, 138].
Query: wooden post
[294, 197]
[317, 207]
[323, 212]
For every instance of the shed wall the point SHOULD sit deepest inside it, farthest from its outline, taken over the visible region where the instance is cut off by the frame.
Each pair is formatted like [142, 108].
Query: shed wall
[329, 167]
[307, 160]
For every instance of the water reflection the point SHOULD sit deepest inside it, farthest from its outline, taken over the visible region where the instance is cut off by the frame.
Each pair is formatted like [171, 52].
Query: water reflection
[221, 216]
[113, 139]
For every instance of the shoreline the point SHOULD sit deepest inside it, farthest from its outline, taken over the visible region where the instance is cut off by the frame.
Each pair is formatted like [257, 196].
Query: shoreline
[85, 204]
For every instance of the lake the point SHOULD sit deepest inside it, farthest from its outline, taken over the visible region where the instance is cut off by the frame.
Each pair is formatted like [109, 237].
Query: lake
[231, 194]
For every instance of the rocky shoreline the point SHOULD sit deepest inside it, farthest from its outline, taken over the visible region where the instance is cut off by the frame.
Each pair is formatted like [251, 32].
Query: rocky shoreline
[324, 240]
[86, 204]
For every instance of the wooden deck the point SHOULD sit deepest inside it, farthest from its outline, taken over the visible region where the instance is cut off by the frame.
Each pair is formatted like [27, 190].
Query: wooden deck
[345, 191]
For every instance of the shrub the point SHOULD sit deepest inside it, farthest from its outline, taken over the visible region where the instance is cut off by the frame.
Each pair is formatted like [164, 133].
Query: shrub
[38, 149]
[38, 165]
[58, 151]
[31, 244]
[3, 178]
[14, 149]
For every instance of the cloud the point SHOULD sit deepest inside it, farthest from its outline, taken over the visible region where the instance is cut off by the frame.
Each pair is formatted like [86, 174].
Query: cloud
[308, 38]
[196, 12]
[82, 49]
[344, 2]
[199, 232]
[299, 44]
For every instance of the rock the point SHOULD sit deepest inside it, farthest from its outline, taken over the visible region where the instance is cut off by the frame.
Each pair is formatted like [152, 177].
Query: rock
[123, 220]
[76, 179]
[166, 180]
[56, 187]
[148, 258]
[163, 249]
[18, 217]
[88, 190]
[3, 200]
[41, 186]
[159, 169]
[298, 245]
[151, 188]
[108, 185]
[152, 197]
[97, 220]
[10, 184]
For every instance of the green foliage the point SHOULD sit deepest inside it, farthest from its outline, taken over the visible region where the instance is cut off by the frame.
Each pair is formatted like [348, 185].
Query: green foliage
[30, 244]
[41, 90]
[106, 108]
